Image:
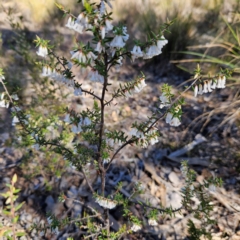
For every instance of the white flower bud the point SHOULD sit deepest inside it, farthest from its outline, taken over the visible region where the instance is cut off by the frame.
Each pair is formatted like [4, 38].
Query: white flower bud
[195, 90]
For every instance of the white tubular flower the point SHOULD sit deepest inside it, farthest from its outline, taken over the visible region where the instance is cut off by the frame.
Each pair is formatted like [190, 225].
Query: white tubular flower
[117, 42]
[125, 35]
[47, 71]
[161, 43]
[42, 51]
[79, 55]
[152, 222]
[77, 92]
[209, 85]
[151, 52]
[140, 85]
[169, 117]
[136, 227]
[214, 84]
[103, 31]
[195, 90]
[219, 82]
[108, 25]
[164, 100]
[78, 27]
[175, 122]
[95, 76]
[77, 129]
[205, 87]
[106, 203]
[153, 140]
[222, 80]
[99, 47]
[70, 23]
[200, 89]
[91, 56]
[15, 120]
[81, 23]
[80, 17]
[3, 103]
[136, 52]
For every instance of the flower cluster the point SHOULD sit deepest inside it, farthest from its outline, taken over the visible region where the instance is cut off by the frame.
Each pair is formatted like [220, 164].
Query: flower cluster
[136, 227]
[155, 50]
[136, 52]
[80, 24]
[152, 222]
[119, 40]
[106, 28]
[209, 85]
[42, 51]
[105, 202]
[3, 102]
[164, 100]
[173, 117]
[82, 57]
[145, 139]
[151, 51]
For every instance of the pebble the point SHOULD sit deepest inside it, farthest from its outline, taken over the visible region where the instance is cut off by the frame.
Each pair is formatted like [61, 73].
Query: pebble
[174, 179]
[166, 169]
[174, 199]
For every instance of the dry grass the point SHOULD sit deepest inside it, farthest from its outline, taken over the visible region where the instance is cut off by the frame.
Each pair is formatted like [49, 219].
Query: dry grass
[166, 8]
[41, 10]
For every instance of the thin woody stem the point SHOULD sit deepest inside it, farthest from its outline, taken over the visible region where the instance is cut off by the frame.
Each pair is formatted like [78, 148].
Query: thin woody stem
[103, 172]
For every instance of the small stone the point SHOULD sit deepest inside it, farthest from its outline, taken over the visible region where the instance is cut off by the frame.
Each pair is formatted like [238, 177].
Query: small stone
[174, 199]
[174, 179]
[166, 169]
